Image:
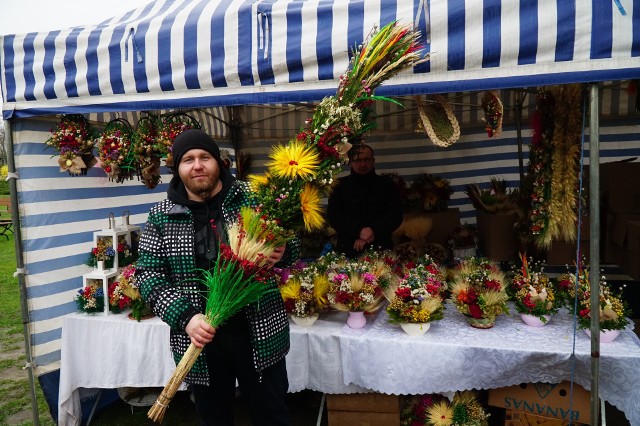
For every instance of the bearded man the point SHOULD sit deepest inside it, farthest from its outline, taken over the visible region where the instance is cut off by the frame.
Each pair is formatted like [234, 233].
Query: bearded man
[180, 238]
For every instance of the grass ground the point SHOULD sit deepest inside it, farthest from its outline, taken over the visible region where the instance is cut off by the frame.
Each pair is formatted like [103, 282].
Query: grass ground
[15, 400]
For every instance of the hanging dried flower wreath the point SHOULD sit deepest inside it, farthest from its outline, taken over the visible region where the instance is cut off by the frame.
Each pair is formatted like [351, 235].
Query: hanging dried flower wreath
[493, 113]
[115, 150]
[147, 150]
[438, 121]
[74, 140]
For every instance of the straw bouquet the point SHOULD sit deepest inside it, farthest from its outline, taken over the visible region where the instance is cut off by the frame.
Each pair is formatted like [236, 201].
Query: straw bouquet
[299, 174]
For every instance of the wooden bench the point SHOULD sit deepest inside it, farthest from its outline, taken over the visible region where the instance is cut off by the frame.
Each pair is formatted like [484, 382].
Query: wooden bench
[5, 217]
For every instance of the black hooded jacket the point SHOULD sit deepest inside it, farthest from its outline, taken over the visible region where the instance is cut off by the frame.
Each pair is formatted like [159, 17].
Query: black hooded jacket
[360, 201]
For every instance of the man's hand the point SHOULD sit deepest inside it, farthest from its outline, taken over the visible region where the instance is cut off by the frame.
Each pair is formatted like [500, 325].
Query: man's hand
[359, 244]
[200, 331]
[367, 235]
[276, 256]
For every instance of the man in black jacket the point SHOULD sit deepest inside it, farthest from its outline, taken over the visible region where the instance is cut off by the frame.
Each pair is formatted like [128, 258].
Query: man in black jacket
[178, 241]
[364, 208]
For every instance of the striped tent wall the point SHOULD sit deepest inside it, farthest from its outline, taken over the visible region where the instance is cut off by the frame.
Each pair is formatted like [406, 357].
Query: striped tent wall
[194, 53]
[58, 215]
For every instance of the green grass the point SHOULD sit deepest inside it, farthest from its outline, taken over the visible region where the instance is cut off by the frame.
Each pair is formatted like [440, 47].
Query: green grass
[14, 394]
[9, 291]
[4, 187]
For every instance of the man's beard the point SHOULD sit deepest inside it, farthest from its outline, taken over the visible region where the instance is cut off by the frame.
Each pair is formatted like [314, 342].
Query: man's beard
[204, 189]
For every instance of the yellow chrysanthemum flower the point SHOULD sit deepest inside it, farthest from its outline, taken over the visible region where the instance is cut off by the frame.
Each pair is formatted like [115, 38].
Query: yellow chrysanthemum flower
[310, 206]
[440, 414]
[293, 160]
[291, 289]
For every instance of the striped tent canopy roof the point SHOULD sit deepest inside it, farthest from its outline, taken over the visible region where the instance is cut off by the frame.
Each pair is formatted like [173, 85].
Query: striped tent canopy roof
[195, 53]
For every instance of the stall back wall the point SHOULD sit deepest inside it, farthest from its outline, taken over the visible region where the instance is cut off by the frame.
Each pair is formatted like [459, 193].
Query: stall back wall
[59, 214]
[475, 158]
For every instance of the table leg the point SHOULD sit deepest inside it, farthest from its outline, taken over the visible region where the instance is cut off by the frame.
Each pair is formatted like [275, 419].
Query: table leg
[321, 410]
[95, 405]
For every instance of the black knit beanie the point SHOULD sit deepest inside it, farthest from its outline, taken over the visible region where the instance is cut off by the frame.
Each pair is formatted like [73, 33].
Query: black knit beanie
[193, 139]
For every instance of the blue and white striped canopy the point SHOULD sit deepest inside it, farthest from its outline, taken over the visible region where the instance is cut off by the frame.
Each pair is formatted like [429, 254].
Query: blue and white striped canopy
[196, 53]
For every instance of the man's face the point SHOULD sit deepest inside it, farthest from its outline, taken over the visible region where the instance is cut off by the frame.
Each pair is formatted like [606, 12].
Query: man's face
[200, 174]
[363, 162]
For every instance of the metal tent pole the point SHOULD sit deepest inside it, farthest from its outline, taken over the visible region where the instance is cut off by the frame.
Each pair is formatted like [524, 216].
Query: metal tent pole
[594, 257]
[17, 236]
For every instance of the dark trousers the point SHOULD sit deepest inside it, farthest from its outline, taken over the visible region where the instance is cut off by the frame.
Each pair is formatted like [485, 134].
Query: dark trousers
[229, 357]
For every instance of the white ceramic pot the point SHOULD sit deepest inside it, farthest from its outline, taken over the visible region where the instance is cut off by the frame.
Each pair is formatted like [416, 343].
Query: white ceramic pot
[415, 329]
[534, 321]
[305, 321]
[100, 265]
[606, 336]
[356, 319]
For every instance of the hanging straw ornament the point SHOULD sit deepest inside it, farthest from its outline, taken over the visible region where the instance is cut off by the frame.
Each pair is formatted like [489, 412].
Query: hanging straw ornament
[308, 164]
[438, 121]
[493, 113]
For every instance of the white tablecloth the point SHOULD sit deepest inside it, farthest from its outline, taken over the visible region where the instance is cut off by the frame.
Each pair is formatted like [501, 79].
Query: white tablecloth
[109, 352]
[332, 358]
[454, 356]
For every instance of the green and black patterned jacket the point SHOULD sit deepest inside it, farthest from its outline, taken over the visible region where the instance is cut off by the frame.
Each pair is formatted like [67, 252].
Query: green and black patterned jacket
[165, 272]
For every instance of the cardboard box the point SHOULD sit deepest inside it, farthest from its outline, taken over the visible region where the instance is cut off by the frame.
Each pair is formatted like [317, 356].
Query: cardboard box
[360, 418]
[617, 240]
[564, 253]
[517, 418]
[497, 237]
[545, 399]
[443, 224]
[369, 402]
[619, 187]
[364, 409]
